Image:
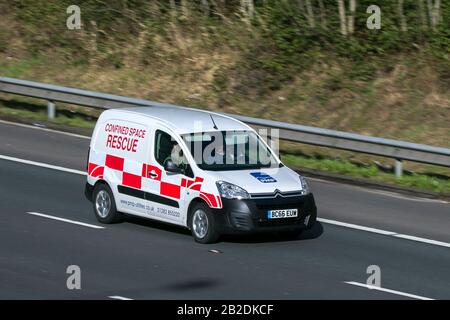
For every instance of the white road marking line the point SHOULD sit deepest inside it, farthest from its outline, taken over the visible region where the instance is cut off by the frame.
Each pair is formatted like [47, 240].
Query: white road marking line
[424, 240]
[42, 165]
[401, 196]
[384, 232]
[391, 194]
[44, 129]
[355, 226]
[338, 223]
[66, 220]
[385, 193]
[119, 298]
[387, 290]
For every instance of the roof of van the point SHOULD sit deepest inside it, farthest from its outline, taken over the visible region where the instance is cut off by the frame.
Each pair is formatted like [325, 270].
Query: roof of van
[187, 120]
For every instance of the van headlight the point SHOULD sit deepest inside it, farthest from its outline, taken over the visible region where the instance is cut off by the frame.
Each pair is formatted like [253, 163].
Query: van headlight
[231, 191]
[305, 185]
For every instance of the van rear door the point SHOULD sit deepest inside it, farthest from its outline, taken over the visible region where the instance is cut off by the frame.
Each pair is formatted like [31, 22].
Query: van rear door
[120, 146]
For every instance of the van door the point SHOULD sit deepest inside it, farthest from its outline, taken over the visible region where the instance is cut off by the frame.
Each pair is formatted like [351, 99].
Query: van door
[165, 196]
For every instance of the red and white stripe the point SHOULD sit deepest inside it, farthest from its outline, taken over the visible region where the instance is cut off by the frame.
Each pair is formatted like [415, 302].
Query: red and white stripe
[146, 176]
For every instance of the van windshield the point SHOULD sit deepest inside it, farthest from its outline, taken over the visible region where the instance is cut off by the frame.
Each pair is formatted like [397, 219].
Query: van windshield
[229, 150]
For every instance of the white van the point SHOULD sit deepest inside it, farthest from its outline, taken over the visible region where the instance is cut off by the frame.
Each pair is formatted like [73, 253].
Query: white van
[201, 170]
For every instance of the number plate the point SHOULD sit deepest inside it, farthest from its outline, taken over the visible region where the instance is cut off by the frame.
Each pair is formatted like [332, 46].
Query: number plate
[283, 213]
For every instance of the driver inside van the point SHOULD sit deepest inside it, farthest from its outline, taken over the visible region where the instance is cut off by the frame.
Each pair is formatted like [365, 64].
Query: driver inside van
[177, 156]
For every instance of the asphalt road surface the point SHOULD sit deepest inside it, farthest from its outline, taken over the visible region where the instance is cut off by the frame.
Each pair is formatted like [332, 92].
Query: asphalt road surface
[407, 237]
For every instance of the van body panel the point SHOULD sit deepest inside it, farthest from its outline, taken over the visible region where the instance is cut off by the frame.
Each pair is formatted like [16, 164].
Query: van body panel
[128, 150]
[262, 180]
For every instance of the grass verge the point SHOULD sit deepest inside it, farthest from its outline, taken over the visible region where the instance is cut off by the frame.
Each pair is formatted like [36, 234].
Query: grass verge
[67, 116]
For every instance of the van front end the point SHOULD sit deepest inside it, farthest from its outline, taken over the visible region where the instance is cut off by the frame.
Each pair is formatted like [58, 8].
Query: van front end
[276, 212]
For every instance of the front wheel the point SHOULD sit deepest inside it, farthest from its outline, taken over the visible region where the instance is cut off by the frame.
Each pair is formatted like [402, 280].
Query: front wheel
[203, 225]
[104, 204]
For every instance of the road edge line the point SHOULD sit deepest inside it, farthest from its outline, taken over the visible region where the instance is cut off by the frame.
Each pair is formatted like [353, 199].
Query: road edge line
[119, 298]
[328, 221]
[386, 233]
[93, 226]
[42, 165]
[400, 293]
[30, 126]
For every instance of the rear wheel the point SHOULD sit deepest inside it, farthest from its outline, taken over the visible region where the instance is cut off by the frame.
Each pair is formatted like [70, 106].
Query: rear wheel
[104, 204]
[203, 225]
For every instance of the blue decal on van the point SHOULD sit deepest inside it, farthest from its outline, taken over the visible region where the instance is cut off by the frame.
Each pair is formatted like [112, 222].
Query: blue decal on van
[263, 177]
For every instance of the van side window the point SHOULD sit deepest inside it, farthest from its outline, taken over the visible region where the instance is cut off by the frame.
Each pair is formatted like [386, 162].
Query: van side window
[166, 148]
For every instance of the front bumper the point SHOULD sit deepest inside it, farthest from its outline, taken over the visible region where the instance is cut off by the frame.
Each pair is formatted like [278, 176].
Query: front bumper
[250, 215]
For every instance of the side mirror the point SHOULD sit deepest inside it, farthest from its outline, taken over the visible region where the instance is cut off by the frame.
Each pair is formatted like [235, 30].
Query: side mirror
[170, 166]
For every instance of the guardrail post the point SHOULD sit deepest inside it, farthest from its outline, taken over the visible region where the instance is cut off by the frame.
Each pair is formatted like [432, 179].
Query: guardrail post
[398, 168]
[51, 109]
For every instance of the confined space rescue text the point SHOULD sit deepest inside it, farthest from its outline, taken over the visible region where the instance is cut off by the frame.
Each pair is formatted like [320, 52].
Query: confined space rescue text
[123, 137]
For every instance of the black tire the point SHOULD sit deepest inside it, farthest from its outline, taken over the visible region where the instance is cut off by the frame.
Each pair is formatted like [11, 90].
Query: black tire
[211, 234]
[102, 193]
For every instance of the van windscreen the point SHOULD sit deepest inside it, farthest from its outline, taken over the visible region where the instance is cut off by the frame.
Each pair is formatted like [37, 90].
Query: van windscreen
[229, 150]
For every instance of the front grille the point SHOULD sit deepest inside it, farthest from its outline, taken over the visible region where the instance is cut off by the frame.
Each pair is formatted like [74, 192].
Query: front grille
[276, 194]
[252, 214]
